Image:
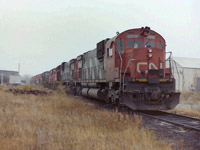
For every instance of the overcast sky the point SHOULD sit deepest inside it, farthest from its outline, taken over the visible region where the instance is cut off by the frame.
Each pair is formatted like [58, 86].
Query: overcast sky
[40, 34]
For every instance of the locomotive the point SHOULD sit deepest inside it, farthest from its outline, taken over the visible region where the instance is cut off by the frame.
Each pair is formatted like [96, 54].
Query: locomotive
[129, 69]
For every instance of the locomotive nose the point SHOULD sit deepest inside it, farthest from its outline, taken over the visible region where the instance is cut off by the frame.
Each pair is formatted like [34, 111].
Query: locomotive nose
[155, 95]
[152, 94]
[150, 54]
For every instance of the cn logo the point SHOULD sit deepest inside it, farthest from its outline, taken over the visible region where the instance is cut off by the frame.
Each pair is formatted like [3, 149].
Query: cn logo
[142, 64]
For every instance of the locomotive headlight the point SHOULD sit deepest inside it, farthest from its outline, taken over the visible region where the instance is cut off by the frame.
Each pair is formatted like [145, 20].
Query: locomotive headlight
[150, 50]
[150, 55]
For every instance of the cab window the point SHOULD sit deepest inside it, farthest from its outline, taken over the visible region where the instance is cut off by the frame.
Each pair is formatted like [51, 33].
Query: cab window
[134, 44]
[160, 45]
[151, 37]
[130, 36]
[110, 50]
[120, 45]
[149, 43]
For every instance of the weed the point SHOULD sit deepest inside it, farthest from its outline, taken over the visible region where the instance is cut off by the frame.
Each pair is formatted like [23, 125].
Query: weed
[61, 122]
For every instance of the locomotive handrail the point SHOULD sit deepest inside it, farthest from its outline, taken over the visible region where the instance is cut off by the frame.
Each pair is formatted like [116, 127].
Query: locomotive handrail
[178, 75]
[120, 75]
[176, 68]
[169, 59]
[126, 71]
[130, 60]
[164, 61]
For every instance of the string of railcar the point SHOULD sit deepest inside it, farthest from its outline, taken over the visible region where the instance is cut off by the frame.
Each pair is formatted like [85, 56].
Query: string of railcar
[129, 69]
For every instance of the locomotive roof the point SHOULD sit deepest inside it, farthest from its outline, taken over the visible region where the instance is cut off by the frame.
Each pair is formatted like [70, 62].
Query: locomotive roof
[64, 62]
[113, 38]
[45, 72]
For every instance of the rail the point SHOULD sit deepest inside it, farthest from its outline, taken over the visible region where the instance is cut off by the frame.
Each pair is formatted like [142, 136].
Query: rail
[175, 119]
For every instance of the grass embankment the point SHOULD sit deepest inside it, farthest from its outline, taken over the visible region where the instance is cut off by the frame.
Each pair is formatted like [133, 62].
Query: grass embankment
[60, 122]
[189, 98]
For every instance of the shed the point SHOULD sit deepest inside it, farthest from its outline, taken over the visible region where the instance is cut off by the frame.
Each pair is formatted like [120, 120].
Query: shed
[187, 73]
[9, 77]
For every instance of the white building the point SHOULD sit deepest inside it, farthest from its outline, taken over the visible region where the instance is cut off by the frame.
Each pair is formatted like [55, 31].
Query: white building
[9, 77]
[187, 74]
[15, 79]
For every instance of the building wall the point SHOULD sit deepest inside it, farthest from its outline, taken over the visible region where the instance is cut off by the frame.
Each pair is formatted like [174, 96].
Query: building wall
[190, 76]
[177, 72]
[15, 79]
[186, 78]
[8, 73]
[5, 76]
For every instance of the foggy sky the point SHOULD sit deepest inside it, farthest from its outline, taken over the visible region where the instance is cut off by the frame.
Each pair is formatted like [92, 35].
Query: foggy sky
[41, 34]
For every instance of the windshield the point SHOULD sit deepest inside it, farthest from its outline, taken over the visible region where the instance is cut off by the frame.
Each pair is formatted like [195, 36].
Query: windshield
[149, 43]
[134, 44]
[160, 45]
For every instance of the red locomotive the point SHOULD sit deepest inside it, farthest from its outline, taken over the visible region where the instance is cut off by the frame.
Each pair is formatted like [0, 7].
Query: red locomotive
[36, 79]
[128, 69]
[52, 75]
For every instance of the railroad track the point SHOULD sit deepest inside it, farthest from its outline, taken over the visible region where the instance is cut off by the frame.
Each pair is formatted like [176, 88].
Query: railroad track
[175, 119]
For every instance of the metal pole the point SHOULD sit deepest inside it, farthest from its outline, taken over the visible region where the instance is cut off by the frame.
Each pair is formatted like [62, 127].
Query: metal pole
[19, 67]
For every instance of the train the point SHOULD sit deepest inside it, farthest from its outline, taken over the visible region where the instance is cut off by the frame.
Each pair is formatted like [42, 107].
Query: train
[131, 69]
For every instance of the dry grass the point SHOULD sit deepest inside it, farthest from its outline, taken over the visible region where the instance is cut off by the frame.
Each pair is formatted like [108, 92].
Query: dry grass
[189, 98]
[188, 112]
[60, 122]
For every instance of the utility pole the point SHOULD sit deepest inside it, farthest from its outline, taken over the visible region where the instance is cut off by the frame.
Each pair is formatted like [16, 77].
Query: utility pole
[19, 67]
